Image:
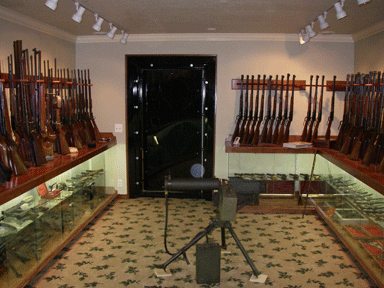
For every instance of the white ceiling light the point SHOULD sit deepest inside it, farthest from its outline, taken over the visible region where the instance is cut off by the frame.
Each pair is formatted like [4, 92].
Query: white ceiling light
[111, 33]
[98, 23]
[310, 31]
[323, 23]
[124, 39]
[363, 2]
[306, 38]
[78, 16]
[340, 13]
[51, 4]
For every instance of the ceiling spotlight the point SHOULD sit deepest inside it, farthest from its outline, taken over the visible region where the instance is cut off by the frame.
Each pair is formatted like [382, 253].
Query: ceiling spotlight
[51, 4]
[305, 37]
[79, 14]
[340, 13]
[98, 23]
[124, 39]
[301, 36]
[323, 23]
[363, 2]
[111, 33]
[310, 31]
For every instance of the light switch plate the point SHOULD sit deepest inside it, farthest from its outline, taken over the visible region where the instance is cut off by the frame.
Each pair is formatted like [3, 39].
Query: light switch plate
[118, 128]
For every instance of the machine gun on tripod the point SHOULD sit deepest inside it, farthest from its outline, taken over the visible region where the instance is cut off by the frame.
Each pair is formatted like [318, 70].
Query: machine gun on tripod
[226, 213]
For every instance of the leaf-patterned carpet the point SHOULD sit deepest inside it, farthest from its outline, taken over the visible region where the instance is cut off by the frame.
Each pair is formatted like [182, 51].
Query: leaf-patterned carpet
[122, 246]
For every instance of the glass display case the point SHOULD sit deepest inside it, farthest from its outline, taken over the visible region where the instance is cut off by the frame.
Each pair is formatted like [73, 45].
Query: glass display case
[347, 196]
[37, 224]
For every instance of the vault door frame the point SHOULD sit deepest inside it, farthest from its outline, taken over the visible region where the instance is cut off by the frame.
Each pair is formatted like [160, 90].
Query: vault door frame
[135, 107]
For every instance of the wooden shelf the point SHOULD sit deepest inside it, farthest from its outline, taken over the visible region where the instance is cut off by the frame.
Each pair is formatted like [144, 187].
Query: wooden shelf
[61, 163]
[265, 148]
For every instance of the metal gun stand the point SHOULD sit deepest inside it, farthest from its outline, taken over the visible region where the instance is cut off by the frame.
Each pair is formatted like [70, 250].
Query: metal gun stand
[216, 222]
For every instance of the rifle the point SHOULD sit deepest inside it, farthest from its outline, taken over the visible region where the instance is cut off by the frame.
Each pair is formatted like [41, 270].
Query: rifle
[313, 118]
[96, 131]
[86, 109]
[84, 123]
[27, 96]
[250, 118]
[255, 139]
[371, 122]
[332, 112]
[273, 117]
[364, 114]
[256, 112]
[353, 114]
[304, 134]
[280, 137]
[240, 116]
[61, 141]
[345, 122]
[377, 124]
[76, 139]
[245, 115]
[280, 113]
[46, 133]
[319, 115]
[10, 158]
[290, 117]
[263, 136]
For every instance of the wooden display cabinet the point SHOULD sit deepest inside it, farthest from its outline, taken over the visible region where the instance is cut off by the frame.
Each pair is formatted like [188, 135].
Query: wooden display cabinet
[36, 225]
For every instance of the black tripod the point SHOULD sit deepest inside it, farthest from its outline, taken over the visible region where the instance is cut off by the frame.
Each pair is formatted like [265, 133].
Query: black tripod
[215, 223]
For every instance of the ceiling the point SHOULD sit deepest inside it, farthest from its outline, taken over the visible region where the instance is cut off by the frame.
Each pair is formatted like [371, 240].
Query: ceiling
[203, 16]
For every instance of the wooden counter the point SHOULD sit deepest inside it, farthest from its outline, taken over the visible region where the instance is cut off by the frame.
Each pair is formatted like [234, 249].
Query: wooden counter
[61, 163]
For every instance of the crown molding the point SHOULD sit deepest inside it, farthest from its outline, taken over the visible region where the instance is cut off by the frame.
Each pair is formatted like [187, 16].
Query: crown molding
[20, 19]
[214, 37]
[370, 31]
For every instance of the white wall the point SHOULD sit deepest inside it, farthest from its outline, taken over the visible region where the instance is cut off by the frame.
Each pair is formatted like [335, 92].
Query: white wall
[106, 62]
[51, 47]
[369, 54]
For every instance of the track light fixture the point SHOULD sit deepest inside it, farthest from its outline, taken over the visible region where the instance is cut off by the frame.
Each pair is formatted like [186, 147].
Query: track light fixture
[340, 13]
[98, 23]
[80, 9]
[125, 36]
[323, 24]
[111, 33]
[78, 16]
[363, 2]
[51, 4]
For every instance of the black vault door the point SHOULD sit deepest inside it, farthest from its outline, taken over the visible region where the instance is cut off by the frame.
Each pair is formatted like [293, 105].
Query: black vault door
[170, 122]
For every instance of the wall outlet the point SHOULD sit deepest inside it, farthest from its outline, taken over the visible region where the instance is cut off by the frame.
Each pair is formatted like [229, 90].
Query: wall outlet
[119, 183]
[118, 128]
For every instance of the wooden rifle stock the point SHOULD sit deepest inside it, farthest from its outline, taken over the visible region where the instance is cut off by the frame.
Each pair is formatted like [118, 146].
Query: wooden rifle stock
[313, 117]
[273, 117]
[240, 115]
[319, 115]
[96, 131]
[344, 123]
[275, 135]
[331, 112]
[245, 114]
[256, 112]
[290, 116]
[304, 134]
[377, 123]
[360, 131]
[280, 137]
[248, 120]
[87, 134]
[255, 139]
[263, 136]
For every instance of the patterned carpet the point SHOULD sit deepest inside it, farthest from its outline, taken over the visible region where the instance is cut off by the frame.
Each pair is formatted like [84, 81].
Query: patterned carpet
[122, 246]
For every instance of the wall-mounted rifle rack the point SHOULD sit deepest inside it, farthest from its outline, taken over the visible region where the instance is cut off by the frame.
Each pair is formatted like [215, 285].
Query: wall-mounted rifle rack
[236, 84]
[43, 112]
